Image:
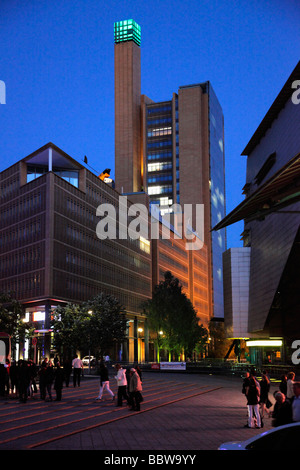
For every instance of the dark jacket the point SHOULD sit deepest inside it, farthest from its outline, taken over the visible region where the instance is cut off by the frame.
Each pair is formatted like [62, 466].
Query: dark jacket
[58, 378]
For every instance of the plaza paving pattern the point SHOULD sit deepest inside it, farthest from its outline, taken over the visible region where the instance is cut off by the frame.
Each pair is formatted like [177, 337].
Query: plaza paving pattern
[179, 412]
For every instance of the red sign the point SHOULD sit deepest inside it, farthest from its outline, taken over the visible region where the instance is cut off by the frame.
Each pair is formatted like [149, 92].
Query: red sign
[34, 341]
[155, 366]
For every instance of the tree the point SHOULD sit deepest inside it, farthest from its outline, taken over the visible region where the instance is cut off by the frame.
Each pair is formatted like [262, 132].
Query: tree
[67, 323]
[105, 323]
[94, 325]
[172, 316]
[11, 319]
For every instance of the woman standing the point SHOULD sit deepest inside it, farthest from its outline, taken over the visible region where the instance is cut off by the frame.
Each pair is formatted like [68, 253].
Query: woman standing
[264, 395]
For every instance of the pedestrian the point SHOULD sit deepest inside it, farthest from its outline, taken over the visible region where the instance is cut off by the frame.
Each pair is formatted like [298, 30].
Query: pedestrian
[104, 382]
[121, 382]
[283, 384]
[42, 379]
[245, 384]
[289, 386]
[2, 380]
[128, 375]
[67, 365]
[253, 397]
[49, 377]
[13, 375]
[296, 402]
[77, 365]
[24, 380]
[137, 368]
[32, 374]
[7, 378]
[282, 413]
[58, 381]
[264, 401]
[135, 389]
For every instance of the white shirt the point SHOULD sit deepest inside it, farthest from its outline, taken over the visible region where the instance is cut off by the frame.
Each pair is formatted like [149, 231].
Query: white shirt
[290, 389]
[121, 377]
[77, 363]
[296, 408]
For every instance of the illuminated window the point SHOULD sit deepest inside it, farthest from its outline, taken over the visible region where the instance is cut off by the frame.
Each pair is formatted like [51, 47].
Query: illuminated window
[127, 30]
[144, 245]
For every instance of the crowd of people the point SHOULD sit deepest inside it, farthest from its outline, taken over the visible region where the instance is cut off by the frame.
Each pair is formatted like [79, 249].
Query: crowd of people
[23, 379]
[285, 409]
[129, 382]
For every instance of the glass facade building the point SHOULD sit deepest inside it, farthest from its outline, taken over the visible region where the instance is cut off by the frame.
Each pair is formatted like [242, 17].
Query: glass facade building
[166, 154]
[217, 196]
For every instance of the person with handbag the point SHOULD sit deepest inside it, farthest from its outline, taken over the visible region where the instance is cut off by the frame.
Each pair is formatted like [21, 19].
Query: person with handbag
[135, 389]
[265, 403]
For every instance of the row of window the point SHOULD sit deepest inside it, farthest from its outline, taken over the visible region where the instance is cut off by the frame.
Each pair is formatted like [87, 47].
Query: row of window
[159, 131]
[159, 166]
[83, 289]
[160, 179]
[8, 187]
[26, 286]
[15, 262]
[159, 109]
[159, 156]
[155, 122]
[165, 143]
[125, 258]
[22, 207]
[166, 189]
[21, 234]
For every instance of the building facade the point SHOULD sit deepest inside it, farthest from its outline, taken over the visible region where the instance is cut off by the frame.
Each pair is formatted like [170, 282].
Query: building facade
[181, 150]
[51, 252]
[271, 234]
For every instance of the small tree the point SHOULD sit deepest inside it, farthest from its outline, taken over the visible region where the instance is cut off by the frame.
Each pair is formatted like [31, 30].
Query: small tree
[105, 323]
[11, 319]
[172, 316]
[67, 323]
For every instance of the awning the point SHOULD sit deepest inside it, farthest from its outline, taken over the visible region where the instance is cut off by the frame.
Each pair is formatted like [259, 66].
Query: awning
[281, 190]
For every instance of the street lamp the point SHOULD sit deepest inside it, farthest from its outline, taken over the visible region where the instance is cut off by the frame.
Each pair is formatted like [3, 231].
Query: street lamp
[90, 312]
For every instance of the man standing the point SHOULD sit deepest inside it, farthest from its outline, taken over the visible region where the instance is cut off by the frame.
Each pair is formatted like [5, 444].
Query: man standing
[296, 402]
[77, 365]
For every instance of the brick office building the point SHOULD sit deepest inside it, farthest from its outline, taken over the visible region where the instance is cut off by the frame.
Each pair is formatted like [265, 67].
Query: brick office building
[50, 253]
[173, 150]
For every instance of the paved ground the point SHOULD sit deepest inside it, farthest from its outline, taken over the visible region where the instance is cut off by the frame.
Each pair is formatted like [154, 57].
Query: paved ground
[180, 412]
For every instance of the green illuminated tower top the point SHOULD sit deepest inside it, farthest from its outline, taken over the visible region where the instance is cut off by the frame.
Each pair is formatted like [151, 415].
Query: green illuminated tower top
[127, 30]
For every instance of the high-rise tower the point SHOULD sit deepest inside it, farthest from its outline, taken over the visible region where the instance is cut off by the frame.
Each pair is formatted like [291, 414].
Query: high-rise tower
[173, 149]
[127, 35]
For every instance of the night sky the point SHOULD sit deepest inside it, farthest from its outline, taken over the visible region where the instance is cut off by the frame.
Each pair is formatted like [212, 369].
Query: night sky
[57, 62]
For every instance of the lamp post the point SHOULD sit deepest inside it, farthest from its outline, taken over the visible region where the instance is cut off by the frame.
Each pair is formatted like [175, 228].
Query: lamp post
[90, 312]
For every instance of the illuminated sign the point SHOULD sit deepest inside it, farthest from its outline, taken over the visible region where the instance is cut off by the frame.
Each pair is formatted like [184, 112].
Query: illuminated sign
[127, 30]
[264, 342]
[38, 316]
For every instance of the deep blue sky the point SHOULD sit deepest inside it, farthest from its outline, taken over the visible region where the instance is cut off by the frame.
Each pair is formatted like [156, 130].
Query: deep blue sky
[57, 61]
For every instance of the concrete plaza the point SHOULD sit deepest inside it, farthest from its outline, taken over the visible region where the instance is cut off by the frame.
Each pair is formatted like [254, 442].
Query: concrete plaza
[180, 412]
